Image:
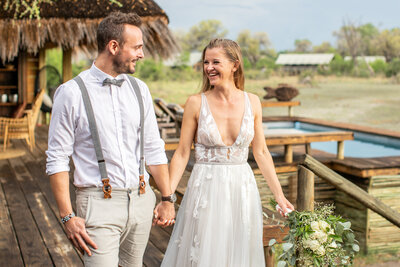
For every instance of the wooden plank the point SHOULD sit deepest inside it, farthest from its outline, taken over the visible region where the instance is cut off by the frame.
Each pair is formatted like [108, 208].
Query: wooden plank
[344, 185]
[60, 248]
[9, 249]
[159, 238]
[33, 250]
[267, 104]
[152, 255]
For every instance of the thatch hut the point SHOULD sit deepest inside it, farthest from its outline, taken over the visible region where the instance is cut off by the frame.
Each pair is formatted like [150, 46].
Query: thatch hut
[68, 24]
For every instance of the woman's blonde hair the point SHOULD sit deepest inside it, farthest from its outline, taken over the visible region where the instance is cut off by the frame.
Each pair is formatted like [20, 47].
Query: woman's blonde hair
[234, 54]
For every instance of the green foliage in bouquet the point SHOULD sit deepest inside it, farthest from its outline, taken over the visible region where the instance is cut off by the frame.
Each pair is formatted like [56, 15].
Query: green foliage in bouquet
[317, 238]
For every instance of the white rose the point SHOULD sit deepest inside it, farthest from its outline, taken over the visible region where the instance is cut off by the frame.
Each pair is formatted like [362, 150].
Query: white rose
[320, 250]
[320, 236]
[333, 245]
[315, 226]
[311, 244]
[324, 225]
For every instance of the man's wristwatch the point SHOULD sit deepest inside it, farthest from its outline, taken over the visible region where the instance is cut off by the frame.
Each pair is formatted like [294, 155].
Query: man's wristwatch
[171, 198]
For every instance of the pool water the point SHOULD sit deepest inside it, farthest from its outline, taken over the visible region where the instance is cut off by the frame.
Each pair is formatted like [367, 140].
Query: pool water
[364, 145]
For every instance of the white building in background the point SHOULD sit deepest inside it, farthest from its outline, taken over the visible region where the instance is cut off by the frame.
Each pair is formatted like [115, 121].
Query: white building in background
[295, 63]
[367, 59]
[194, 58]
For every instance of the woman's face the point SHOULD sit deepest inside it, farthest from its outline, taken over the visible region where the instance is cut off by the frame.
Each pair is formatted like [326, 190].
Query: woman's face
[218, 68]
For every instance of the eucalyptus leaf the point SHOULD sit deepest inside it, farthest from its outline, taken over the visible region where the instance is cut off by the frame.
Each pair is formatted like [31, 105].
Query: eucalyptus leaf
[272, 242]
[287, 246]
[356, 248]
[282, 264]
[346, 225]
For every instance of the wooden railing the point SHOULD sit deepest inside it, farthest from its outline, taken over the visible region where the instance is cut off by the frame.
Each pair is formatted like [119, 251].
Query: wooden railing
[310, 167]
[289, 104]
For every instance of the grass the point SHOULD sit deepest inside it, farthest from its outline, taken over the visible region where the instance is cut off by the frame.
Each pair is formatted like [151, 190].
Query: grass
[373, 102]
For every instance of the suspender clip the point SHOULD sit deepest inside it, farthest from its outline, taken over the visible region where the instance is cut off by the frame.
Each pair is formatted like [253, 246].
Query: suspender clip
[106, 187]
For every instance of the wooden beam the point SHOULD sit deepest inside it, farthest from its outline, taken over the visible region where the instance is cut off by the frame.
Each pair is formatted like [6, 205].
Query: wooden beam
[67, 65]
[305, 189]
[303, 138]
[267, 104]
[351, 189]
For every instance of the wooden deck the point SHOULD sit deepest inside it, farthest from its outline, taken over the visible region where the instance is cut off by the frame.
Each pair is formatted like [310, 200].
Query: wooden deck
[32, 235]
[31, 232]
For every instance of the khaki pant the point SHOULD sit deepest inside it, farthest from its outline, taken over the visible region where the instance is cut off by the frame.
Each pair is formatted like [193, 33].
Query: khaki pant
[119, 226]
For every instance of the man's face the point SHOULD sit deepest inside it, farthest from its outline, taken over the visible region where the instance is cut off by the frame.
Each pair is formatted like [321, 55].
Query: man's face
[130, 51]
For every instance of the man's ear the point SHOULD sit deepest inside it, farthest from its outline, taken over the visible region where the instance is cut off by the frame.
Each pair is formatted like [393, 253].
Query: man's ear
[113, 47]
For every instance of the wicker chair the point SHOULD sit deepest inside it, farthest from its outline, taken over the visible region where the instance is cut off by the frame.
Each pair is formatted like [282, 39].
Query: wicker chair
[22, 128]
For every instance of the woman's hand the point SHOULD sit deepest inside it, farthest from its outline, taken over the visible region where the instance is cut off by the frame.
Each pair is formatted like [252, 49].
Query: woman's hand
[285, 207]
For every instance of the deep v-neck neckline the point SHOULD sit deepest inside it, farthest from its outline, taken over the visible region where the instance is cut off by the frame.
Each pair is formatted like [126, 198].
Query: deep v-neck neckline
[216, 125]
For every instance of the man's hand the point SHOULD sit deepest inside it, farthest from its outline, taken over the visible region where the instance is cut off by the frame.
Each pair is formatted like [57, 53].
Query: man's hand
[76, 232]
[164, 214]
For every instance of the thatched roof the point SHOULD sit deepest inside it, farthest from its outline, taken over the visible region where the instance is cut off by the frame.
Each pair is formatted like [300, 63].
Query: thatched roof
[71, 23]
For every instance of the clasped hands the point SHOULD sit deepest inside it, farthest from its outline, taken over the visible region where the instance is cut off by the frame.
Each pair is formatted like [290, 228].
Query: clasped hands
[164, 214]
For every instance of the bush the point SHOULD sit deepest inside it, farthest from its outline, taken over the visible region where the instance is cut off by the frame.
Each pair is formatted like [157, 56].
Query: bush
[339, 66]
[361, 70]
[266, 63]
[393, 68]
[182, 73]
[379, 66]
[150, 70]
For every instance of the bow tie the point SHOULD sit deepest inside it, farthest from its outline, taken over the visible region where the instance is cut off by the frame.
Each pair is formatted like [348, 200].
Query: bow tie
[116, 82]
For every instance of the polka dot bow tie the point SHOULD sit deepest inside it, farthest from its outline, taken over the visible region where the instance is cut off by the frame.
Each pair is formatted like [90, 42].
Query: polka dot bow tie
[116, 82]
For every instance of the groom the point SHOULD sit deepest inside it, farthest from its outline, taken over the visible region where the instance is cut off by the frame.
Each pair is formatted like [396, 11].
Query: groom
[114, 203]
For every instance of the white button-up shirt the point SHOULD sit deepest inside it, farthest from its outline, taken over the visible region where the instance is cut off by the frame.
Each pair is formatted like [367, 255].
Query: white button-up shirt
[117, 116]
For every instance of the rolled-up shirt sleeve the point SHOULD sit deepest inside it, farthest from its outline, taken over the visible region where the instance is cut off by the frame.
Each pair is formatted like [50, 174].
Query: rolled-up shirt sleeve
[154, 146]
[61, 131]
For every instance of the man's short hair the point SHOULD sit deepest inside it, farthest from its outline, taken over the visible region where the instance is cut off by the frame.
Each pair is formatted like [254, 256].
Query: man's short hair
[112, 28]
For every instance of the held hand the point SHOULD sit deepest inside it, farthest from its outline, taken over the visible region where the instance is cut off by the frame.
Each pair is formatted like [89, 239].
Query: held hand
[164, 214]
[76, 232]
[284, 206]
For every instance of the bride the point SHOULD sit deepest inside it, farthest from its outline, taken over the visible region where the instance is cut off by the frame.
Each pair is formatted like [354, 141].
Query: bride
[219, 222]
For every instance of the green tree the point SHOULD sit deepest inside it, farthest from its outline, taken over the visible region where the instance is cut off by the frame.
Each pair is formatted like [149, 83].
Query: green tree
[325, 47]
[254, 46]
[302, 46]
[368, 34]
[200, 35]
[388, 43]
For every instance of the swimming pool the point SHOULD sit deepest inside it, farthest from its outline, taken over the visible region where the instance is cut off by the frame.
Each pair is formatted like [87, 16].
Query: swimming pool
[364, 145]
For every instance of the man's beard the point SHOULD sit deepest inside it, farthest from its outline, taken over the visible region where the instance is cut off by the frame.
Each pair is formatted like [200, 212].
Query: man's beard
[121, 66]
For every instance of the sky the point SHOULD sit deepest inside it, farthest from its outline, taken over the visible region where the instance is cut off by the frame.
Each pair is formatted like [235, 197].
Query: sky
[283, 20]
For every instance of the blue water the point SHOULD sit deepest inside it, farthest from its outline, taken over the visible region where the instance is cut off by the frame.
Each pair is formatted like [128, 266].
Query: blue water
[364, 145]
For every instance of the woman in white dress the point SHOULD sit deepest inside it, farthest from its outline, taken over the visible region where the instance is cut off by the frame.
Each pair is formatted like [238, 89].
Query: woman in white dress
[219, 223]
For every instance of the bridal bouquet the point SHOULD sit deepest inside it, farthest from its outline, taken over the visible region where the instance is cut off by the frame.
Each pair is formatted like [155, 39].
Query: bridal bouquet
[317, 238]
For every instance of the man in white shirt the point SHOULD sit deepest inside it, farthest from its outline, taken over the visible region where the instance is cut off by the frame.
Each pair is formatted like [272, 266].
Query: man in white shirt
[110, 231]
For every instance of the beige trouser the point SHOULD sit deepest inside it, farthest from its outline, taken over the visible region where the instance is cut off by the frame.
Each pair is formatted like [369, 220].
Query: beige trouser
[119, 226]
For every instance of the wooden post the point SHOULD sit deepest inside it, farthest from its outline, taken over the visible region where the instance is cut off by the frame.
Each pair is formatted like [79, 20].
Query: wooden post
[340, 149]
[291, 113]
[305, 189]
[288, 153]
[42, 81]
[308, 148]
[269, 257]
[67, 65]
[351, 189]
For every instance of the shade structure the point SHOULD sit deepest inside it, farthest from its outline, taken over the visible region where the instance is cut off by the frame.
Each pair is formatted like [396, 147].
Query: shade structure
[73, 23]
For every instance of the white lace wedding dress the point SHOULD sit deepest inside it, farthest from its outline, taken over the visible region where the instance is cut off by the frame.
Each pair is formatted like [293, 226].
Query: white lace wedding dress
[219, 223]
